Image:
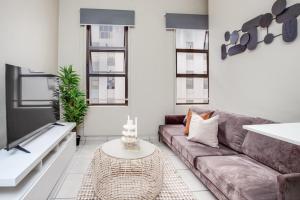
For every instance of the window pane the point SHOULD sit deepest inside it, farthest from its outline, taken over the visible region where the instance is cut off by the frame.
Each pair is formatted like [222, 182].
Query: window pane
[191, 63]
[191, 39]
[107, 62]
[192, 90]
[107, 36]
[107, 90]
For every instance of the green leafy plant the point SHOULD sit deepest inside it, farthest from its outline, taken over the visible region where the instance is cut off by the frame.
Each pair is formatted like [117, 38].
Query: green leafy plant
[73, 100]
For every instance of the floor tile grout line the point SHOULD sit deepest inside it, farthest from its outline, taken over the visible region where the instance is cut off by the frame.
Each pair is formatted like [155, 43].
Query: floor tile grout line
[70, 173]
[200, 191]
[194, 191]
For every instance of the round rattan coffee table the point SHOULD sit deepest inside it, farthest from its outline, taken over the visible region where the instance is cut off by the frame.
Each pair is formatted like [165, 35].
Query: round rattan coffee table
[119, 173]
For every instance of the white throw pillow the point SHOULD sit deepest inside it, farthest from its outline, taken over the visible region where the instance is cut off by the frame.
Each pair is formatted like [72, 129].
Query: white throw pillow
[204, 131]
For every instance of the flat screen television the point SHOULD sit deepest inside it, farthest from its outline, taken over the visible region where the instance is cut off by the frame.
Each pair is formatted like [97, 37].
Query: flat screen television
[32, 104]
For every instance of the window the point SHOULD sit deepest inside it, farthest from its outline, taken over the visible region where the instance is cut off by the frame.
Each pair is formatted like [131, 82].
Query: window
[107, 60]
[192, 66]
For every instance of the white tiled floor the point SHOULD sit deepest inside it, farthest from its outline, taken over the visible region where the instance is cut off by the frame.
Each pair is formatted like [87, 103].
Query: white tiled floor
[69, 184]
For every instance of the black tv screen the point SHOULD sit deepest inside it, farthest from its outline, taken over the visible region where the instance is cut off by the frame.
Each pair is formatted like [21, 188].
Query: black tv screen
[32, 104]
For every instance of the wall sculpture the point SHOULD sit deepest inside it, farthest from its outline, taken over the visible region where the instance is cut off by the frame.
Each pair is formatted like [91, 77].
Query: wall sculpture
[247, 37]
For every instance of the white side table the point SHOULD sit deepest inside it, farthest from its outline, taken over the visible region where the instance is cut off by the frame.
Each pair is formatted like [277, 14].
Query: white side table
[288, 132]
[119, 173]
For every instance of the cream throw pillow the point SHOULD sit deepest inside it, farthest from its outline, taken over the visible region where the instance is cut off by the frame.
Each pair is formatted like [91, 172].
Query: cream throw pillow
[204, 131]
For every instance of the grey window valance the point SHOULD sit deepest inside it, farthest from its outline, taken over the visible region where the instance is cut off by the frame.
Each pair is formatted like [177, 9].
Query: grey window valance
[109, 17]
[186, 21]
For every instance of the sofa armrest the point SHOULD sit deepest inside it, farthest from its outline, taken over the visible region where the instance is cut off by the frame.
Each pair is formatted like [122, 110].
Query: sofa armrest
[289, 186]
[174, 119]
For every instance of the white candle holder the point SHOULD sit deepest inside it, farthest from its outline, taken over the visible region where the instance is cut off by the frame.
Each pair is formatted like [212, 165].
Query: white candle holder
[129, 133]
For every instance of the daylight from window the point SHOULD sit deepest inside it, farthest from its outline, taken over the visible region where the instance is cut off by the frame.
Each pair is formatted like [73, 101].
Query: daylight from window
[191, 66]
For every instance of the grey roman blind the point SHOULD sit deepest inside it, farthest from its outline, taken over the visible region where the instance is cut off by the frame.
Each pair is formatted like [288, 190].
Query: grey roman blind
[186, 21]
[109, 17]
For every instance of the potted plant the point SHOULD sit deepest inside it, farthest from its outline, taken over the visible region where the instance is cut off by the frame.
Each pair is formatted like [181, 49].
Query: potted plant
[72, 98]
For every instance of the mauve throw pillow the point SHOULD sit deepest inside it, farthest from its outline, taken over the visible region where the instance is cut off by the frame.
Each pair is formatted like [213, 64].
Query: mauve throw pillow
[204, 131]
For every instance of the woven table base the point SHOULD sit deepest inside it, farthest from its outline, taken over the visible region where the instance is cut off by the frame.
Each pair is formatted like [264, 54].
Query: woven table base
[173, 188]
[118, 179]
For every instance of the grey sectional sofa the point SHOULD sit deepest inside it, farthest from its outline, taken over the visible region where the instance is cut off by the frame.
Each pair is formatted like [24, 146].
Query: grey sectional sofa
[247, 166]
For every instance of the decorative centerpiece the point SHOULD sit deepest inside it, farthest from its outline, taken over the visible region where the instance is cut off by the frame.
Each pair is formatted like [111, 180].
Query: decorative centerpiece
[130, 133]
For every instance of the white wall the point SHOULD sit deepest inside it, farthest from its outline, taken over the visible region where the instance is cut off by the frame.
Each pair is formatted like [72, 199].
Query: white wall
[151, 61]
[28, 37]
[264, 82]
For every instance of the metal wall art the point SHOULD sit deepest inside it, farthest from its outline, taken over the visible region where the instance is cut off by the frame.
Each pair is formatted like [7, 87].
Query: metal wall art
[247, 37]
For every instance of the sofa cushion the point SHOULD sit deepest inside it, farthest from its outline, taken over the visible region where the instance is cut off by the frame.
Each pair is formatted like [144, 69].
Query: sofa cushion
[279, 155]
[204, 131]
[288, 185]
[168, 131]
[191, 150]
[231, 132]
[189, 116]
[197, 110]
[240, 177]
[174, 119]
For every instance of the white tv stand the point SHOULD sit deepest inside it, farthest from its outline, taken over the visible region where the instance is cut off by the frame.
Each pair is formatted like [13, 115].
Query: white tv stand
[32, 176]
